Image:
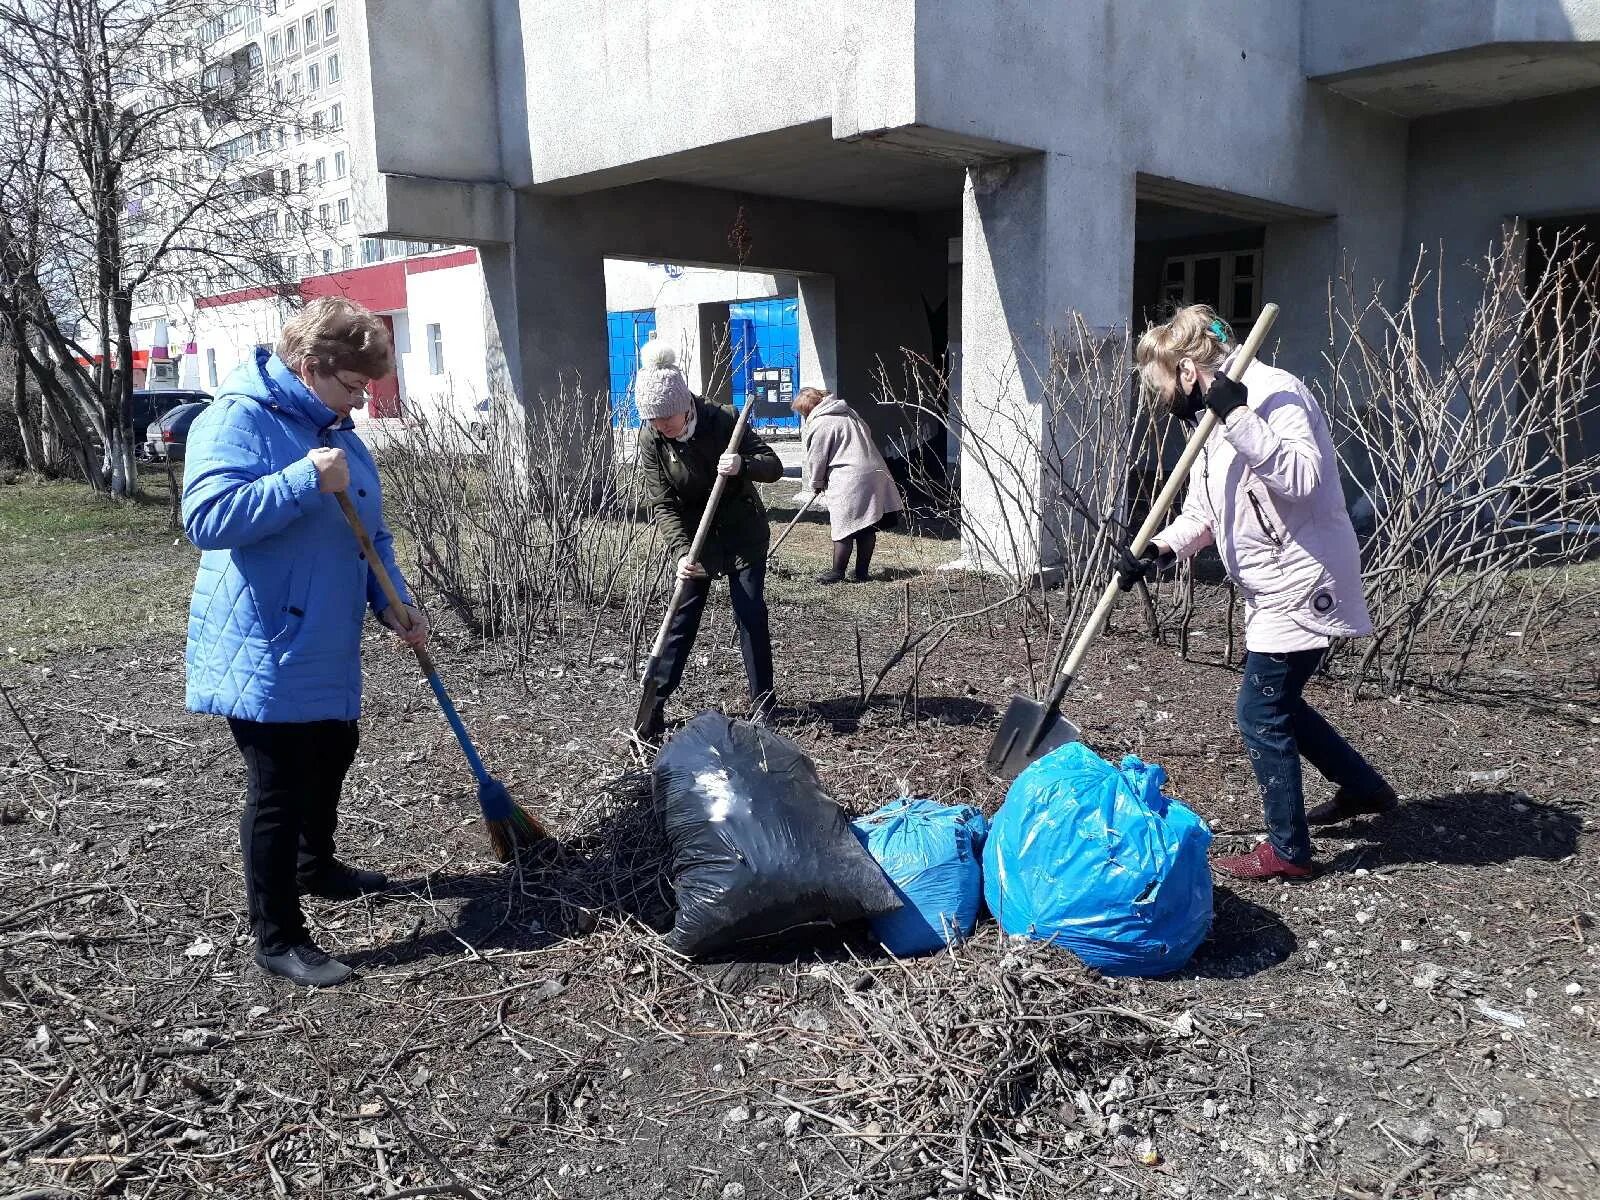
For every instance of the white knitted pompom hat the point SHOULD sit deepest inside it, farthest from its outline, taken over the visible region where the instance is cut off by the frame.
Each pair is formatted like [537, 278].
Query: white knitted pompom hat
[660, 390]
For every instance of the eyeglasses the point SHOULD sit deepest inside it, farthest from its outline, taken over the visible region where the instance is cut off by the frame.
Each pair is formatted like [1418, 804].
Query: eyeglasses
[359, 388]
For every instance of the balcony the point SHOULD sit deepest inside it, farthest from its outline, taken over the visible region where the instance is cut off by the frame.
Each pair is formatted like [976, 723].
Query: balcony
[1443, 55]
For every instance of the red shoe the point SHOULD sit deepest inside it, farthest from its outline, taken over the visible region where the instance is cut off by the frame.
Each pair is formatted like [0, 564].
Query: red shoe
[1262, 863]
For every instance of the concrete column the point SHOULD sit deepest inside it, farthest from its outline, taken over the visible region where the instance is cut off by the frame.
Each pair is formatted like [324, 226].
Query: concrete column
[819, 333]
[714, 377]
[549, 302]
[1043, 238]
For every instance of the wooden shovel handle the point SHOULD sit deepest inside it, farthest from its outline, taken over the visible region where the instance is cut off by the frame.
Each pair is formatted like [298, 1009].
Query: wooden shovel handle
[702, 532]
[1169, 493]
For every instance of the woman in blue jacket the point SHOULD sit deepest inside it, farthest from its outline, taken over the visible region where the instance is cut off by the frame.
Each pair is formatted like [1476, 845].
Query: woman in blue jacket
[275, 620]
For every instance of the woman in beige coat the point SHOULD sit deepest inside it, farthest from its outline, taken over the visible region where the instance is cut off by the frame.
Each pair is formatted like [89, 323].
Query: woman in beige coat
[843, 465]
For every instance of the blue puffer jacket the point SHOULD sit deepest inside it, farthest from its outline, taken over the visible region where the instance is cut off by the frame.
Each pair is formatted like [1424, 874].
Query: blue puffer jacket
[275, 621]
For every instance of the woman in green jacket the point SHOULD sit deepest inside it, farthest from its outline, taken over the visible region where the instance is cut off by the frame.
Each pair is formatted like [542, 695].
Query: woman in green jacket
[683, 447]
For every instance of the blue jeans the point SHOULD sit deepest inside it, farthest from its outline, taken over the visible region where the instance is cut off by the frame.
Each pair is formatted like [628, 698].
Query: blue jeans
[1279, 727]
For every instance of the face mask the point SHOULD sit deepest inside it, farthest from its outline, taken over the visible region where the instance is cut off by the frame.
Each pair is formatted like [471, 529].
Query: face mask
[1187, 406]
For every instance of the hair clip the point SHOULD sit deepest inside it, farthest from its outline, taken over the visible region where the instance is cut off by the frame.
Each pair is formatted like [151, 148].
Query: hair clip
[1219, 331]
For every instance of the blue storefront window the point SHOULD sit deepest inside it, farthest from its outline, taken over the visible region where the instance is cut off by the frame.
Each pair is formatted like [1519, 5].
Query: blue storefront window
[627, 331]
[765, 339]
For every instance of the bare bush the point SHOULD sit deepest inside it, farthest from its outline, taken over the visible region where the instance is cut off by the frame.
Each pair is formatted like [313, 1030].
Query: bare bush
[1468, 455]
[521, 523]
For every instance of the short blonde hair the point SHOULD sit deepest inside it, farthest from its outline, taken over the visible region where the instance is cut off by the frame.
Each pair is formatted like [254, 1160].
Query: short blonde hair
[341, 336]
[1194, 332]
[806, 399]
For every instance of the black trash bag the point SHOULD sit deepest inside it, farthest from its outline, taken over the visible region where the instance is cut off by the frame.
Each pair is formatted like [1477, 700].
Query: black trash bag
[758, 846]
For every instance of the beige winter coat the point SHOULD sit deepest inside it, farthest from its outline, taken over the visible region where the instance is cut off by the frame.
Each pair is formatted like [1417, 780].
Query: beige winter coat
[843, 463]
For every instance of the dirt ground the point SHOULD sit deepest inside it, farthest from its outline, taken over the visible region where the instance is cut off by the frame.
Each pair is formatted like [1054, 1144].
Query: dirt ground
[1418, 1021]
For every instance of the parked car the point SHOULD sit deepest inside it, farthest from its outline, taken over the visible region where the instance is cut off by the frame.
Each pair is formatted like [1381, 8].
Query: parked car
[150, 406]
[169, 432]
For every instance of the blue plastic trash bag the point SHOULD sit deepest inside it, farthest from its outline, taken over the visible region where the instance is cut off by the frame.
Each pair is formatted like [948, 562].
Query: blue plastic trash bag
[932, 853]
[1094, 858]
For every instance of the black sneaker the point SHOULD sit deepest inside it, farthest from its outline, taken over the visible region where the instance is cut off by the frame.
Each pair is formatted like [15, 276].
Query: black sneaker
[305, 964]
[1346, 806]
[340, 881]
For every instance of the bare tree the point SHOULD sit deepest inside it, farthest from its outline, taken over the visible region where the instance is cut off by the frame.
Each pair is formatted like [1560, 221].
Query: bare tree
[132, 168]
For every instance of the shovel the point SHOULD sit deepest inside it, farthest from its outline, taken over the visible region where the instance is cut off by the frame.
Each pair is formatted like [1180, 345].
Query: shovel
[1031, 729]
[647, 689]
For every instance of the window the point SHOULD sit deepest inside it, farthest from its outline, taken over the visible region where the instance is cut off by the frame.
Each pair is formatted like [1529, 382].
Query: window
[330, 21]
[272, 224]
[283, 137]
[316, 122]
[277, 88]
[264, 139]
[327, 260]
[311, 264]
[336, 116]
[303, 176]
[338, 164]
[291, 40]
[313, 77]
[285, 184]
[275, 49]
[299, 134]
[211, 364]
[1229, 281]
[344, 212]
[311, 30]
[322, 170]
[294, 84]
[371, 250]
[272, 8]
[324, 212]
[333, 68]
[435, 350]
[347, 256]
[287, 265]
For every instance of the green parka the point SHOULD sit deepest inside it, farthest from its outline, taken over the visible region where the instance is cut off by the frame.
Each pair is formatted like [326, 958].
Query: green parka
[677, 480]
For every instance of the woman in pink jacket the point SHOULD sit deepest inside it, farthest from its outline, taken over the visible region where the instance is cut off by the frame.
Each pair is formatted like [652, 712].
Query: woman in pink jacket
[1266, 493]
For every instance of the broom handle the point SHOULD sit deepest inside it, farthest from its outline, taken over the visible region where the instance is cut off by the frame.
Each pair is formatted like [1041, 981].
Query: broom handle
[680, 592]
[1158, 510]
[403, 614]
[789, 528]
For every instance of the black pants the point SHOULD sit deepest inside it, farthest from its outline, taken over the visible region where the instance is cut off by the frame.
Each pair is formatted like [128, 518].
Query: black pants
[294, 774]
[747, 588]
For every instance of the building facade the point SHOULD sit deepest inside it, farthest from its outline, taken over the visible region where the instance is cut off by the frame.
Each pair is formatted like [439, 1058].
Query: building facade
[965, 175]
[430, 294]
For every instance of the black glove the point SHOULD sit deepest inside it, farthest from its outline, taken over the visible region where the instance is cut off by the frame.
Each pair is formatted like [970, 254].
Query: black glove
[1131, 570]
[1224, 396]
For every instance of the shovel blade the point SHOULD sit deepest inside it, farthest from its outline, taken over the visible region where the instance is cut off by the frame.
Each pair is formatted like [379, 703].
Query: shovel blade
[1010, 751]
[647, 698]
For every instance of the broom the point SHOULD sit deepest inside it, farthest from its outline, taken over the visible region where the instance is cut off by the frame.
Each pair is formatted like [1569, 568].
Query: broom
[508, 825]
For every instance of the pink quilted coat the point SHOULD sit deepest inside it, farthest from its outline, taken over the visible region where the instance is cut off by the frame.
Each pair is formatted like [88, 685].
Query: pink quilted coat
[1266, 492]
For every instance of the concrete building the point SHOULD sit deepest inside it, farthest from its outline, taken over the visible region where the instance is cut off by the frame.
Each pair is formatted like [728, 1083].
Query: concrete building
[943, 173]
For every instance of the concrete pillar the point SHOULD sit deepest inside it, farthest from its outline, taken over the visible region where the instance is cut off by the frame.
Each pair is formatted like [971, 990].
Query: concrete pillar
[547, 297]
[1043, 238]
[712, 361]
[819, 333]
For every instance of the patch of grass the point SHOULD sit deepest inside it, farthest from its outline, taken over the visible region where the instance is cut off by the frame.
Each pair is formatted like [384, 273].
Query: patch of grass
[78, 570]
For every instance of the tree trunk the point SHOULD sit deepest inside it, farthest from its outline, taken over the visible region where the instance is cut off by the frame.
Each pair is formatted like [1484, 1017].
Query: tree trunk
[27, 423]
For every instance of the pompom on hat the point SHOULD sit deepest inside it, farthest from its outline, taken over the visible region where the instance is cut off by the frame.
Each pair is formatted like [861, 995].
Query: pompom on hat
[659, 389]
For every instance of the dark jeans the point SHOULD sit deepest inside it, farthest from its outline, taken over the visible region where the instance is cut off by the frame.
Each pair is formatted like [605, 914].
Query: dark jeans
[294, 775]
[1279, 727]
[748, 590]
